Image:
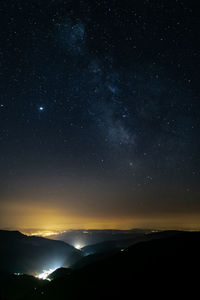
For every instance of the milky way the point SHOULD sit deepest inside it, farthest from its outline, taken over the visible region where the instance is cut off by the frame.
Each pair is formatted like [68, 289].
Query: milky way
[99, 111]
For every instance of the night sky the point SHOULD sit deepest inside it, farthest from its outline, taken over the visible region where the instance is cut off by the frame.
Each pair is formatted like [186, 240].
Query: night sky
[99, 114]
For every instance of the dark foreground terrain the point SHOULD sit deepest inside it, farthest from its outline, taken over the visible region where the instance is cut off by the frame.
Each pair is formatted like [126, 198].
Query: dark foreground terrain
[164, 266]
[20, 253]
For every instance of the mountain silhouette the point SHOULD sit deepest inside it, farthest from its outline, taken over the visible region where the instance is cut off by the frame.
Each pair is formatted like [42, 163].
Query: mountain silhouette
[31, 255]
[163, 267]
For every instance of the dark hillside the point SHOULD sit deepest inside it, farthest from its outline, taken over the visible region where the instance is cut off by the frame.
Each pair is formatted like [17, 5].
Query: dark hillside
[159, 268]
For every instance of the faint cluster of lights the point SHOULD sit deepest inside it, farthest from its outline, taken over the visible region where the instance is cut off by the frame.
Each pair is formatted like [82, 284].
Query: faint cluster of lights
[44, 233]
[78, 246]
[44, 275]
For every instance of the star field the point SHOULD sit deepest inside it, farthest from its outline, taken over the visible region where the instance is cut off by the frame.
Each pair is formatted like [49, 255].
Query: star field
[100, 97]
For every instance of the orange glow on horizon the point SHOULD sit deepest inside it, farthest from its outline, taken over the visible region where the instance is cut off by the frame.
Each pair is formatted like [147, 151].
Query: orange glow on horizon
[46, 221]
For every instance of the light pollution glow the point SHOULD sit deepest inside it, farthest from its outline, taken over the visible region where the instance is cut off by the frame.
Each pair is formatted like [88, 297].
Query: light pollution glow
[46, 219]
[78, 246]
[43, 233]
[47, 224]
[44, 275]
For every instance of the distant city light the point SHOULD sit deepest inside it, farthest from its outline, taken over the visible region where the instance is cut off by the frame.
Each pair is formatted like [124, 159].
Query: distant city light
[43, 233]
[78, 246]
[45, 274]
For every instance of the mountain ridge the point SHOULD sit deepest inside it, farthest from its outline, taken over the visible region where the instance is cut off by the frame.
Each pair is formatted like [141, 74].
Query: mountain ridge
[31, 254]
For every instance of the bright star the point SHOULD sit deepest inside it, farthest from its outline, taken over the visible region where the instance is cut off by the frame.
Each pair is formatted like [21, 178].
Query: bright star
[41, 108]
